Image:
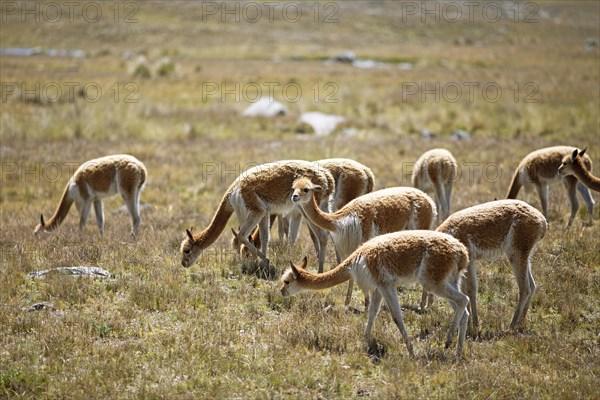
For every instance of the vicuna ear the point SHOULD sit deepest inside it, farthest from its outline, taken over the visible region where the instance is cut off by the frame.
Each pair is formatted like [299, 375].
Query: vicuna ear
[294, 270]
[574, 155]
[317, 188]
[190, 236]
[42, 220]
[582, 152]
[304, 262]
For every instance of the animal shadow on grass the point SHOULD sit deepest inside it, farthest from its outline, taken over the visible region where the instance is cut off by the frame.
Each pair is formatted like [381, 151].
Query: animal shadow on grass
[491, 335]
[257, 269]
[376, 351]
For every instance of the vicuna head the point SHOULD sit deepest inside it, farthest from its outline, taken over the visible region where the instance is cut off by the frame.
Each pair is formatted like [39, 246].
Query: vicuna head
[41, 227]
[240, 248]
[291, 278]
[566, 168]
[190, 249]
[303, 189]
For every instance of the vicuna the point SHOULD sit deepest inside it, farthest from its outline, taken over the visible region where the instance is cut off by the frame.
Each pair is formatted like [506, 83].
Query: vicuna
[435, 260]
[94, 180]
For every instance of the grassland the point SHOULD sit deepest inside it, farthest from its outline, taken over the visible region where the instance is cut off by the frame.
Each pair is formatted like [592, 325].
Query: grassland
[219, 329]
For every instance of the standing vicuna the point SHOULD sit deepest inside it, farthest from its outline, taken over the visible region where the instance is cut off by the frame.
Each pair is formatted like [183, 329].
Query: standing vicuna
[352, 179]
[254, 195]
[540, 168]
[95, 179]
[436, 169]
[383, 211]
[574, 165]
[512, 227]
[435, 260]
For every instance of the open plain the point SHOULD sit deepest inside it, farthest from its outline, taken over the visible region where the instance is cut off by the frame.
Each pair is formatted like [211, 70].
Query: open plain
[167, 82]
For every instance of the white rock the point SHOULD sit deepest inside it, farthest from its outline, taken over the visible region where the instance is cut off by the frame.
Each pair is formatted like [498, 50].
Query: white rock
[322, 124]
[79, 271]
[265, 108]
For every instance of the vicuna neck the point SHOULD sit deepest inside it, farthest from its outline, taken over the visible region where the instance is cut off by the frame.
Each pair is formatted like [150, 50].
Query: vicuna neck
[61, 211]
[585, 176]
[317, 216]
[334, 277]
[210, 235]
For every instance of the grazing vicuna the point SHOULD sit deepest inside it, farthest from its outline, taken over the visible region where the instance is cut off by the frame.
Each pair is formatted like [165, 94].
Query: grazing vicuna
[574, 165]
[372, 214]
[512, 227]
[95, 179]
[540, 169]
[435, 260]
[436, 169]
[352, 179]
[254, 195]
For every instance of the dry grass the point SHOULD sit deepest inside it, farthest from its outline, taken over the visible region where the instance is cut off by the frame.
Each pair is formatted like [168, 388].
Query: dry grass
[219, 329]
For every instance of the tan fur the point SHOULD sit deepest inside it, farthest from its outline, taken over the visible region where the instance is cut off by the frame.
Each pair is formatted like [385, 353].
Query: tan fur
[436, 169]
[574, 165]
[512, 227]
[540, 169]
[95, 179]
[434, 259]
[372, 214]
[253, 196]
[352, 179]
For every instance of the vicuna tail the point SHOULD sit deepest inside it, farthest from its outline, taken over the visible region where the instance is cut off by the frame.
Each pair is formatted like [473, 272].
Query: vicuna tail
[515, 185]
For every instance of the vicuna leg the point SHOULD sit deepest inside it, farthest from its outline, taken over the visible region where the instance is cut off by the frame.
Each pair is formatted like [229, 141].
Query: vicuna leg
[520, 261]
[542, 190]
[99, 211]
[448, 192]
[320, 242]
[283, 226]
[471, 289]
[294, 219]
[587, 198]
[349, 292]
[440, 195]
[85, 212]
[372, 313]
[426, 300]
[570, 183]
[390, 295]
[264, 229]
[133, 207]
[459, 303]
[245, 228]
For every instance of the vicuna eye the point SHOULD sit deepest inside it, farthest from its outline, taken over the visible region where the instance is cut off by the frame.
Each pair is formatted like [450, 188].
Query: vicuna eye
[187, 251]
[305, 190]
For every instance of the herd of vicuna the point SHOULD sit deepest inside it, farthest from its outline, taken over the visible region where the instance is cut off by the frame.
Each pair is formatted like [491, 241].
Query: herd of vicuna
[382, 239]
